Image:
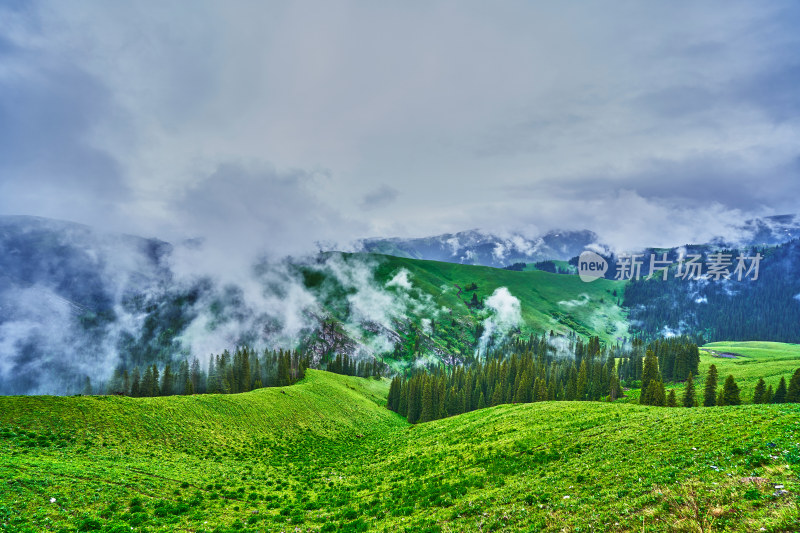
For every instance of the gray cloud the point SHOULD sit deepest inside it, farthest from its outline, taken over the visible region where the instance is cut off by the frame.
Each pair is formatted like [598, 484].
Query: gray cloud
[380, 197]
[268, 125]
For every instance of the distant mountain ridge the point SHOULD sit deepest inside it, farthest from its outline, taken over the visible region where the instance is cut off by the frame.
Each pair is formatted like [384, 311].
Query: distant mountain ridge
[476, 247]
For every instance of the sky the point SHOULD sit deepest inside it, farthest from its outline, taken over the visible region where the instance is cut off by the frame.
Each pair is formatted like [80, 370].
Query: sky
[283, 126]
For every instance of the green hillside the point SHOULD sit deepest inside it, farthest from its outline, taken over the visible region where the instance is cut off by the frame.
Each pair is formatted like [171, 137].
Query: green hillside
[548, 301]
[753, 360]
[325, 454]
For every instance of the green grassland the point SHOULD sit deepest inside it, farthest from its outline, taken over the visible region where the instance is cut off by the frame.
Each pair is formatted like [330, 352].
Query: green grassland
[755, 360]
[768, 360]
[326, 455]
[548, 301]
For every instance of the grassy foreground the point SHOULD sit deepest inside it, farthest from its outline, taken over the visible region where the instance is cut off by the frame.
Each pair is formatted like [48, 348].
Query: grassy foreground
[326, 455]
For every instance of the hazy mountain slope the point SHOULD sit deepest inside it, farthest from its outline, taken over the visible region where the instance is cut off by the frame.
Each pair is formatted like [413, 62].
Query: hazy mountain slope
[76, 303]
[479, 248]
[485, 248]
[548, 301]
[324, 455]
[766, 309]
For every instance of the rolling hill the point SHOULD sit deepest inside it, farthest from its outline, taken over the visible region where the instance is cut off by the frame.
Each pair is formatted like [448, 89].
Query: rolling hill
[325, 455]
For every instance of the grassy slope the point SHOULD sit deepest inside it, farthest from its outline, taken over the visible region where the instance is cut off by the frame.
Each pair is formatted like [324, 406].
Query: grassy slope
[770, 360]
[548, 301]
[325, 452]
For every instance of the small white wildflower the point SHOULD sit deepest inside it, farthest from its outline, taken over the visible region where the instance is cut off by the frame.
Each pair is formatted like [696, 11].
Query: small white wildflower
[566, 497]
[52, 500]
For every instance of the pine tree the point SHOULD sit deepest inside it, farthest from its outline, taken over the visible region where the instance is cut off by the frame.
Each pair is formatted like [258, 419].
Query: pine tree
[688, 392]
[427, 402]
[780, 392]
[769, 395]
[392, 402]
[760, 391]
[87, 386]
[650, 370]
[135, 392]
[156, 389]
[442, 410]
[671, 401]
[793, 392]
[730, 392]
[147, 383]
[166, 381]
[481, 402]
[497, 395]
[710, 395]
[580, 390]
[283, 370]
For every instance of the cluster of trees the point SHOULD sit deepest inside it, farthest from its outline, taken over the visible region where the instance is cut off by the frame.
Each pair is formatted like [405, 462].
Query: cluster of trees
[677, 357]
[545, 369]
[762, 309]
[539, 369]
[653, 393]
[550, 266]
[229, 373]
[729, 394]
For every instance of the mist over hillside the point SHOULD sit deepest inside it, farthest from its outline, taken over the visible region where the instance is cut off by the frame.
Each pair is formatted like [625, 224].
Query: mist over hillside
[76, 302]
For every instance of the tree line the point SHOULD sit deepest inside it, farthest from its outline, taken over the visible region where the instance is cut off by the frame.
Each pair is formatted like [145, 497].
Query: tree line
[729, 394]
[229, 373]
[539, 369]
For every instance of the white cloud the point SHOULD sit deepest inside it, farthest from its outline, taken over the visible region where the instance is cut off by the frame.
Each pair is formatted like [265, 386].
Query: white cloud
[504, 313]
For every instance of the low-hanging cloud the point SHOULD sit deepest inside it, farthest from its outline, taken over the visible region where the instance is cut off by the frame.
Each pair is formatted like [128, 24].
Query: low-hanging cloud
[504, 313]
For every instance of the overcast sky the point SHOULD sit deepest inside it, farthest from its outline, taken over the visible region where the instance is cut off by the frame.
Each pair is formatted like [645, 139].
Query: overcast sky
[278, 124]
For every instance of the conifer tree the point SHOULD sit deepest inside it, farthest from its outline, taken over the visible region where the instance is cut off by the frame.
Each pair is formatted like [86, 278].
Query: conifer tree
[135, 392]
[780, 392]
[760, 391]
[402, 404]
[769, 395]
[650, 370]
[442, 410]
[730, 392]
[710, 394]
[580, 390]
[689, 399]
[147, 383]
[156, 389]
[166, 381]
[671, 400]
[427, 403]
[394, 395]
[497, 395]
[793, 391]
